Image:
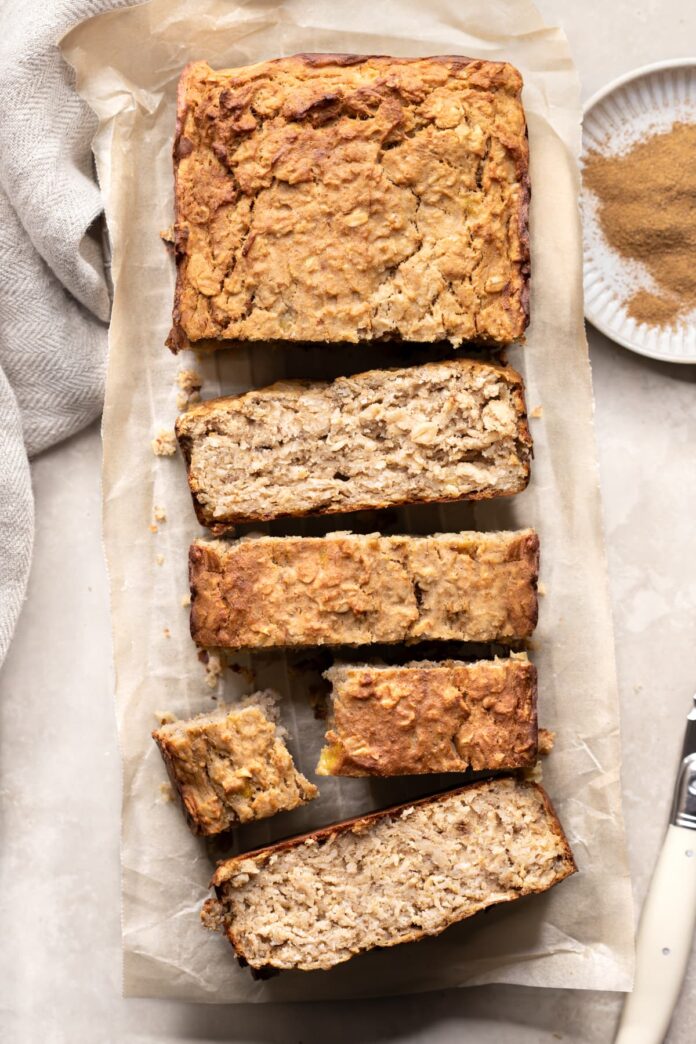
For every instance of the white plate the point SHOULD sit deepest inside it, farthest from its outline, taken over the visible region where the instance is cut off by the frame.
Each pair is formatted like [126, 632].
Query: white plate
[645, 100]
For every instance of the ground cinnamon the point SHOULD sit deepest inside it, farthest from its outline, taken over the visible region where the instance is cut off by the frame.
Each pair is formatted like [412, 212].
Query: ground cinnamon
[647, 211]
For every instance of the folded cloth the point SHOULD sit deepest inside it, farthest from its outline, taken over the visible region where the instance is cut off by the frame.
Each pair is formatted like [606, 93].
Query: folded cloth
[54, 301]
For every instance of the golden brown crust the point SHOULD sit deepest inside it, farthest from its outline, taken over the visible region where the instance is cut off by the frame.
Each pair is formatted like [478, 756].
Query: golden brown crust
[274, 163]
[230, 767]
[214, 915]
[348, 589]
[443, 431]
[431, 717]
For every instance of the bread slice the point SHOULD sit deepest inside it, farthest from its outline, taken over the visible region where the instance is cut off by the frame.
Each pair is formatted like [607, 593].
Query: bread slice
[390, 877]
[431, 717]
[329, 198]
[350, 589]
[442, 431]
[231, 767]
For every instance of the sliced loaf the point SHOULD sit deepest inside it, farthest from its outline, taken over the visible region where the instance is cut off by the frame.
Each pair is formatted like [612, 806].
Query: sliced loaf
[231, 766]
[390, 877]
[443, 431]
[350, 589]
[431, 717]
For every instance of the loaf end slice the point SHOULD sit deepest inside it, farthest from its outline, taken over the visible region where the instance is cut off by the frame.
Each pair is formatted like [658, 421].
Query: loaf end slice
[443, 431]
[431, 717]
[390, 877]
[231, 767]
[355, 589]
[416, 166]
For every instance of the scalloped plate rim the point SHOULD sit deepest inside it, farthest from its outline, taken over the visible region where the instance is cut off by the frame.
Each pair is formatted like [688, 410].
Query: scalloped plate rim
[592, 101]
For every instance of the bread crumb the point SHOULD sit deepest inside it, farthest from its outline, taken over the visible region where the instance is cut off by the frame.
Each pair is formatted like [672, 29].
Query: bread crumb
[189, 380]
[212, 915]
[165, 717]
[533, 774]
[160, 515]
[186, 600]
[190, 383]
[546, 741]
[153, 528]
[167, 234]
[164, 443]
[537, 413]
[159, 559]
[213, 669]
[166, 792]
[268, 700]
[542, 589]
[166, 632]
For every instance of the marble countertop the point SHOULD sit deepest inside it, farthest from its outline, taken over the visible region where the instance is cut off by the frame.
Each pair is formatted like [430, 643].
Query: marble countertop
[59, 900]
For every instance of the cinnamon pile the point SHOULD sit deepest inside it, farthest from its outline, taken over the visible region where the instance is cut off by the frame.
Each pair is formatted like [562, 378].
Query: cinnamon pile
[647, 211]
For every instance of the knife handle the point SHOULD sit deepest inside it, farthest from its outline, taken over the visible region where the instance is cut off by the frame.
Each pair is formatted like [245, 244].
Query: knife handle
[664, 941]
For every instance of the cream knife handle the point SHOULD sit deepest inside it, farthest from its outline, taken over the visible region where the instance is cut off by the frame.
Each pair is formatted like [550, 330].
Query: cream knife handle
[664, 941]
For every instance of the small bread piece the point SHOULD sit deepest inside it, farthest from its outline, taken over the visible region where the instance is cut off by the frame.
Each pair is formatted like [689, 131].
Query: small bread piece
[230, 767]
[431, 717]
[350, 589]
[391, 877]
[331, 198]
[443, 431]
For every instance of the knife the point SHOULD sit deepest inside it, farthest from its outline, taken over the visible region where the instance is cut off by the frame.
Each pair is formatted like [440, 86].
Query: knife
[666, 929]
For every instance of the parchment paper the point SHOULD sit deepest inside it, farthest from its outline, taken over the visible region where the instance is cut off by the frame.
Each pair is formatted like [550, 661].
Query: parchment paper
[578, 935]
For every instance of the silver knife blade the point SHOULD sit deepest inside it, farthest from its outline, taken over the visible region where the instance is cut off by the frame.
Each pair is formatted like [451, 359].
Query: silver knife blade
[684, 803]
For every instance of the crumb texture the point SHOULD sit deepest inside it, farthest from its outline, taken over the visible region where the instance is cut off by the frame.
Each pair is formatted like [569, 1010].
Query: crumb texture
[325, 199]
[389, 878]
[231, 767]
[164, 444]
[348, 589]
[436, 432]
[431, 717]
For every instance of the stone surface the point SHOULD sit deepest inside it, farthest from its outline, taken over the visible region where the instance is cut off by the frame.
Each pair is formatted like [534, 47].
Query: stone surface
[59, 887]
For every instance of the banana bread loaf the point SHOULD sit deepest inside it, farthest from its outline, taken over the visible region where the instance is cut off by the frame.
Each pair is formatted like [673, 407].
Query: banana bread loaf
[442, 431]
[431, 717]
[230, 767]
[349, 589]
[330, 198]
[391, 877]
